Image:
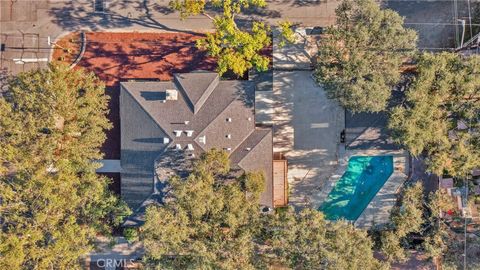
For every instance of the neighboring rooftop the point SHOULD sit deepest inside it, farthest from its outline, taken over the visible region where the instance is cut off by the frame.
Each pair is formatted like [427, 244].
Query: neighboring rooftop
[164, 124]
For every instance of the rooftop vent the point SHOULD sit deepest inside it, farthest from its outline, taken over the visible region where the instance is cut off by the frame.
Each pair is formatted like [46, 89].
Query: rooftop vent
[178, 133]
[52, 169]
[171, 94]
[227, 149]
[461, 125]
[202, 139]
[229, 136]
[186, 122]
[229, 119]
[249, 119]
[178, 146]
[248, 148]
[189, 147]
[189, 133]
[166, 140]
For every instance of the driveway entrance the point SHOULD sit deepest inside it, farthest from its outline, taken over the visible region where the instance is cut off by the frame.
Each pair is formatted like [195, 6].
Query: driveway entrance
[307, 128]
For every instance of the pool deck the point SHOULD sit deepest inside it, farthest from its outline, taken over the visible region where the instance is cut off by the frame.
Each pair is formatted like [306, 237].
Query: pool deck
[378, 210]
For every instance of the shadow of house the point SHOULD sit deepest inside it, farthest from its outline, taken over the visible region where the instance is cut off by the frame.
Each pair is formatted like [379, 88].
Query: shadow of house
[370, 130]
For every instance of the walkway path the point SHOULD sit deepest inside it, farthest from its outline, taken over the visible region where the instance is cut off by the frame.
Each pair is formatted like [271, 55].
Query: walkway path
[109, 166]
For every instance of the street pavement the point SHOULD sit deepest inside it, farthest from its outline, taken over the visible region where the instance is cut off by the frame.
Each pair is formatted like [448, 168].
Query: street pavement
[434, 20]
[27, 26]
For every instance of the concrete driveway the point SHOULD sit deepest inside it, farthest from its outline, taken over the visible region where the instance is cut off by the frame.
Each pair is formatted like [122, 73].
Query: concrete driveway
[307, 128]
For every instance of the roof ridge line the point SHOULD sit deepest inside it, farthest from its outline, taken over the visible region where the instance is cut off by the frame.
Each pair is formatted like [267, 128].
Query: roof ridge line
[218, 115]
[252, 148]
[249, 134]
[217, 80]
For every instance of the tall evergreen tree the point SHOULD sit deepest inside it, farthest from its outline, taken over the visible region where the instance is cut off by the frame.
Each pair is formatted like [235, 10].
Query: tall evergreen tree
[51, 115]
[52, 203]
[359, 58]
[418, 216]
[406, 220]
[441, 115]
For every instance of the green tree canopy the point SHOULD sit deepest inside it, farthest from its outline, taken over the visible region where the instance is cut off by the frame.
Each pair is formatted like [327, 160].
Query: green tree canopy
[236, 48]
[420, 216]
[195, 7]
[441, 113]
[214, 222]
[50, 115]
[207, 222]
[406, 219]
[306, 240]
[359, 58]
[52, 203]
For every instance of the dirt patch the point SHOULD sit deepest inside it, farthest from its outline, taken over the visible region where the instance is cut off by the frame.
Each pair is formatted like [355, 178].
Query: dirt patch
[67, 48]
[116, 57]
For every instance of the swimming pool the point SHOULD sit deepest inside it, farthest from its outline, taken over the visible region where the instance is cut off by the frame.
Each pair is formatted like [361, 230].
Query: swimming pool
[364, 177]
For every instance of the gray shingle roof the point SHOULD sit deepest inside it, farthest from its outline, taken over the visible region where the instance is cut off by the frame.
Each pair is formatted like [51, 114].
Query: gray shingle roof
[256, 154]
[197, 86]
[141, 143]
[216, 113]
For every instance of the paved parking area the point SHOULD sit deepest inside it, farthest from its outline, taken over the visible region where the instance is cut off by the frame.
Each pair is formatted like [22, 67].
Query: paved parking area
[23, 52]
[307, 129]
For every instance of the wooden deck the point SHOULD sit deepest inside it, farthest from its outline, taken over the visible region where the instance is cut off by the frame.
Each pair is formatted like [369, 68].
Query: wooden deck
[280, 183]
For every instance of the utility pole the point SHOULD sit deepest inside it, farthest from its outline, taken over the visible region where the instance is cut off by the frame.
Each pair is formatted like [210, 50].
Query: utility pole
[463, 31]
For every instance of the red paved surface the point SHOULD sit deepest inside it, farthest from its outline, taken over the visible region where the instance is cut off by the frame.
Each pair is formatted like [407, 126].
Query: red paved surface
[116, 57]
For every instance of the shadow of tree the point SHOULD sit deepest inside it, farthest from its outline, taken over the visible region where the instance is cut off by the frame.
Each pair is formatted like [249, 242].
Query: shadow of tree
[72, 16]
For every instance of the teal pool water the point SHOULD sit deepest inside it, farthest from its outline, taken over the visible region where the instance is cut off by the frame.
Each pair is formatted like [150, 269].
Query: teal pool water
[364, 177]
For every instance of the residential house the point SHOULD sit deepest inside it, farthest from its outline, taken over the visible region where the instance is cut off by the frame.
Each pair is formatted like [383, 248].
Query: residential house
[166, 124]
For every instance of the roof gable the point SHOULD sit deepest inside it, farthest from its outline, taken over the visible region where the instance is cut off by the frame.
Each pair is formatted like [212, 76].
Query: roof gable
[256, 154]
[197, 87]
